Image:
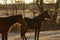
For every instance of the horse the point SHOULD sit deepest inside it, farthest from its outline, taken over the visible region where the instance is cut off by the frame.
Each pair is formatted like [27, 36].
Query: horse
[35, 24]
[7, 22]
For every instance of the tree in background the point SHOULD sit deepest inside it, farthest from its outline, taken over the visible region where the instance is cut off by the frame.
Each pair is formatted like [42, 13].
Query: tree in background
[54, 17]
[40, 5]
[56, 12]
[37, 7]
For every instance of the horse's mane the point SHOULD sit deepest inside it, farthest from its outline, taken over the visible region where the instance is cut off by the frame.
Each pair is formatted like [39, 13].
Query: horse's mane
[43, 13]
[37, 17]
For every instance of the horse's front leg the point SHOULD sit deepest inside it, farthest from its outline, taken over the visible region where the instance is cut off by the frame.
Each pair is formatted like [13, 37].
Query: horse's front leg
[22, 33]
[37, 34]
[4, 36]
[23, 37]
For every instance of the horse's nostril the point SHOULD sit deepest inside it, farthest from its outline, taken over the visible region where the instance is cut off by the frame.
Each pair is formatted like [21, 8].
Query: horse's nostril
[49, 19]
[45, 18]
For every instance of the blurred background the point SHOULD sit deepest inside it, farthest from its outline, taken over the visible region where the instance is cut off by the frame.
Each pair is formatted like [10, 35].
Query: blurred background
[32, 8]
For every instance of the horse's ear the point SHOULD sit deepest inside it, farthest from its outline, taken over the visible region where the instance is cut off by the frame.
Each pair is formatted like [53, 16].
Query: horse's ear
[22, 15]
[48, 12]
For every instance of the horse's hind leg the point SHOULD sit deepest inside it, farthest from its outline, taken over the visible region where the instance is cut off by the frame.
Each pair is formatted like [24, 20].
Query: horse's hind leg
[35, 34]
[25, 37]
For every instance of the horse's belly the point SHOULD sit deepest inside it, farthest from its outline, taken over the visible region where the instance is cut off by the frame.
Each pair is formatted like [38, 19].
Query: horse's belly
[0, 32]
[32, 26]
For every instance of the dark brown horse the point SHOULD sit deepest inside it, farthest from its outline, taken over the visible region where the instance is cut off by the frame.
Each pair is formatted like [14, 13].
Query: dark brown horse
[35, 24]
[7, 22]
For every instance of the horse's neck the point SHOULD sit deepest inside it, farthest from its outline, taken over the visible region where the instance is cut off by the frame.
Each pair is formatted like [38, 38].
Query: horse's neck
[38, 18]
[11, 19]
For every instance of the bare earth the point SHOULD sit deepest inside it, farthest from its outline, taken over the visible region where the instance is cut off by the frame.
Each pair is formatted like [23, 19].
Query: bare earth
[47, 35]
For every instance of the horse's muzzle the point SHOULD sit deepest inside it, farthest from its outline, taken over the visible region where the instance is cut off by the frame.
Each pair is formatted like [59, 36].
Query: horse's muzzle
[47, 19]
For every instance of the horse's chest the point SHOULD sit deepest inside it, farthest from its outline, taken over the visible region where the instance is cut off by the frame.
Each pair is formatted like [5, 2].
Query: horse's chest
[3, 26]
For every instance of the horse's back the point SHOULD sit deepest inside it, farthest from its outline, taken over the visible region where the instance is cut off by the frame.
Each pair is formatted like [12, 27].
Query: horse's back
[4, 19]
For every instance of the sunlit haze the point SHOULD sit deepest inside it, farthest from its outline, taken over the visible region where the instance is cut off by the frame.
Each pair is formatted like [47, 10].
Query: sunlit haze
[49, 1]
[8, 1]
[26, 1]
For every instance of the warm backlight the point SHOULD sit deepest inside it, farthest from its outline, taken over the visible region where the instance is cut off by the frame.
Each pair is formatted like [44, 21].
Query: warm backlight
[28, 1]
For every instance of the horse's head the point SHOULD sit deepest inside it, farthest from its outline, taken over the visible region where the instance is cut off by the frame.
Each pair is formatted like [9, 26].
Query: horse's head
[47, 15]
[21, 20]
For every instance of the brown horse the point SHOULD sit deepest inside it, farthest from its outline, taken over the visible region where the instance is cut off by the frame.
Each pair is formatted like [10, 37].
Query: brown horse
[7, 22]
[35, 24]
